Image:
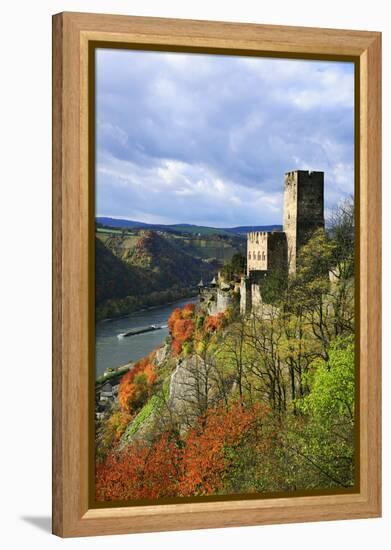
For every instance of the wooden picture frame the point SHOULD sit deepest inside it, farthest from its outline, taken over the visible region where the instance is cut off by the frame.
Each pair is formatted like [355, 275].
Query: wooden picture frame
[73, 34]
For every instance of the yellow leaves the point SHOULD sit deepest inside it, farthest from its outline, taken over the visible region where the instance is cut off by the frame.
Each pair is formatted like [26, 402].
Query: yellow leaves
[200, 347]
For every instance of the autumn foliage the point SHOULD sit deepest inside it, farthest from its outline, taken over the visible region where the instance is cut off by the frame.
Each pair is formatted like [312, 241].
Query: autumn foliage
[136, 385]
[194, 465]
[140, 472]
[205, 462]
[185, 326]
[261, 403]
[181, 326]
[188, 311]
[214, 323]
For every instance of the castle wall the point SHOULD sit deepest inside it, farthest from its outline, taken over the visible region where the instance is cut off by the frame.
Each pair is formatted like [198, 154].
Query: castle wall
[245, 296]
[310, 205]
[266, 251]
[256, 297]
[224, 301]
[257, 251]
[277, 251]
[215, 300]
[290, 218]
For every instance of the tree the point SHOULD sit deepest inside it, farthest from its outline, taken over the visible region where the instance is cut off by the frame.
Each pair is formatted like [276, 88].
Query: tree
[140, 472]
[136, 385]
[210, 450]
[265, 376]
[309, 291]
[342, 234]
[232, 356]
[235, 267]
[325, 440]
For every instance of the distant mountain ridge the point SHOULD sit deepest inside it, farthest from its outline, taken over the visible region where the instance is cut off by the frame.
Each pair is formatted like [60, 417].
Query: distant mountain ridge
[184, 227]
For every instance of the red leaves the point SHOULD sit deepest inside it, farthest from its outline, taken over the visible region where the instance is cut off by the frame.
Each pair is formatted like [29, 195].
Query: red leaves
[175, 315]
[204, 462]
[214, 322]
[181, 327]
[183, 330]
[137, 383]
[176, 347]
[150, 374]
[195, 465]
[139, 472]
[188, 311]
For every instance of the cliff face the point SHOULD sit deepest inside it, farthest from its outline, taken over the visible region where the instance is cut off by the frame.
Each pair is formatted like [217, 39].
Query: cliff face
[187, 393]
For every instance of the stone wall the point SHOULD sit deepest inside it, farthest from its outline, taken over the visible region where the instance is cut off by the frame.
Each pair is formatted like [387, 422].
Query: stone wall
[256, 297]
[303, 210]
[224, 301]
[257, 244]
[245, 296]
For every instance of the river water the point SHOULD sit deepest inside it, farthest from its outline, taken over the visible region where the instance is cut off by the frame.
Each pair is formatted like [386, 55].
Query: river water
[111, 351]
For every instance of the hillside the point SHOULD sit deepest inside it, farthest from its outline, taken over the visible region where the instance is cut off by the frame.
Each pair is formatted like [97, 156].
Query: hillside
[151, 272]
[208, 247]
[234, 404]
[113, 277]
[184, 228]
[244, 229]
[169, 265]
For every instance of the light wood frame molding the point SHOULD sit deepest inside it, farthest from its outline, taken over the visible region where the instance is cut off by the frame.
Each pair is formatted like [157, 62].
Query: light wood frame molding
[72, 33]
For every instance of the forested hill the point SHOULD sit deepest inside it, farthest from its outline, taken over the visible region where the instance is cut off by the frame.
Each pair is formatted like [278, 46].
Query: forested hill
[184, 228]
[169, 265]
[152, 272]
[113, 277]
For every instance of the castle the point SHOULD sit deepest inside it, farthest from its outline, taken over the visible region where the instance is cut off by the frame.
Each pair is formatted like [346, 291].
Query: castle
[279, 250]
[267, 251]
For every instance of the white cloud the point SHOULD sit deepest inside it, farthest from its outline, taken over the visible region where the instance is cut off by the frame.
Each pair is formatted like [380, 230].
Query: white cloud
[191, 138]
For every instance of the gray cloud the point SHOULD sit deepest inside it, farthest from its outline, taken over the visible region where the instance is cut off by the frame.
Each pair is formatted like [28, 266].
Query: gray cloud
[207, 139]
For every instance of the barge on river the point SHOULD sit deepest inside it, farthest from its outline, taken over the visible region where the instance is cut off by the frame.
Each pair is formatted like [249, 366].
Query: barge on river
[141, 330]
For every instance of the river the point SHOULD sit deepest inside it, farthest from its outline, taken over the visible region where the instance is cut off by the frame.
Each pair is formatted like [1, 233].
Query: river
[111, 351]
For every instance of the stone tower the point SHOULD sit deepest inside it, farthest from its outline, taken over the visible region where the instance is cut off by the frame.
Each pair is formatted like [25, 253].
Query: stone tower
[303, 210]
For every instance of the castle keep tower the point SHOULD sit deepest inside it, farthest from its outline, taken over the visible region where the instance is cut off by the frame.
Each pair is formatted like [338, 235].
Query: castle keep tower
[303, 210]
[268, 252]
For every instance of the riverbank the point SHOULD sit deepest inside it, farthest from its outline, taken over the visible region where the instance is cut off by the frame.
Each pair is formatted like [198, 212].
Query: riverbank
[121, 308]
[111, 351]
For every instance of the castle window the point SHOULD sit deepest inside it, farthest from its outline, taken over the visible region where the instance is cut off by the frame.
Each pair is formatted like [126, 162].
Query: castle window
[249, 255]
[254, 256]
[259, 255]
[263, 256]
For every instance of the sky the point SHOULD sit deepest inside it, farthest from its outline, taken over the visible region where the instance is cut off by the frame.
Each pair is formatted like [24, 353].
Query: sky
[206, 139]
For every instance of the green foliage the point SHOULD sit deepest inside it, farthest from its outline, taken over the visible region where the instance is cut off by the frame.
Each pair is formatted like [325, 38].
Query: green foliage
[115, 308]
[342, 234]
[155, 403]
[314, 262]
[293, 358]
[235, 267]
[325, 436]
[332, 385]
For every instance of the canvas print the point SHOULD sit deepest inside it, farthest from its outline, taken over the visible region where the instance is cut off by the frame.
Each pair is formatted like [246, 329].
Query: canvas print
[224, 277]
